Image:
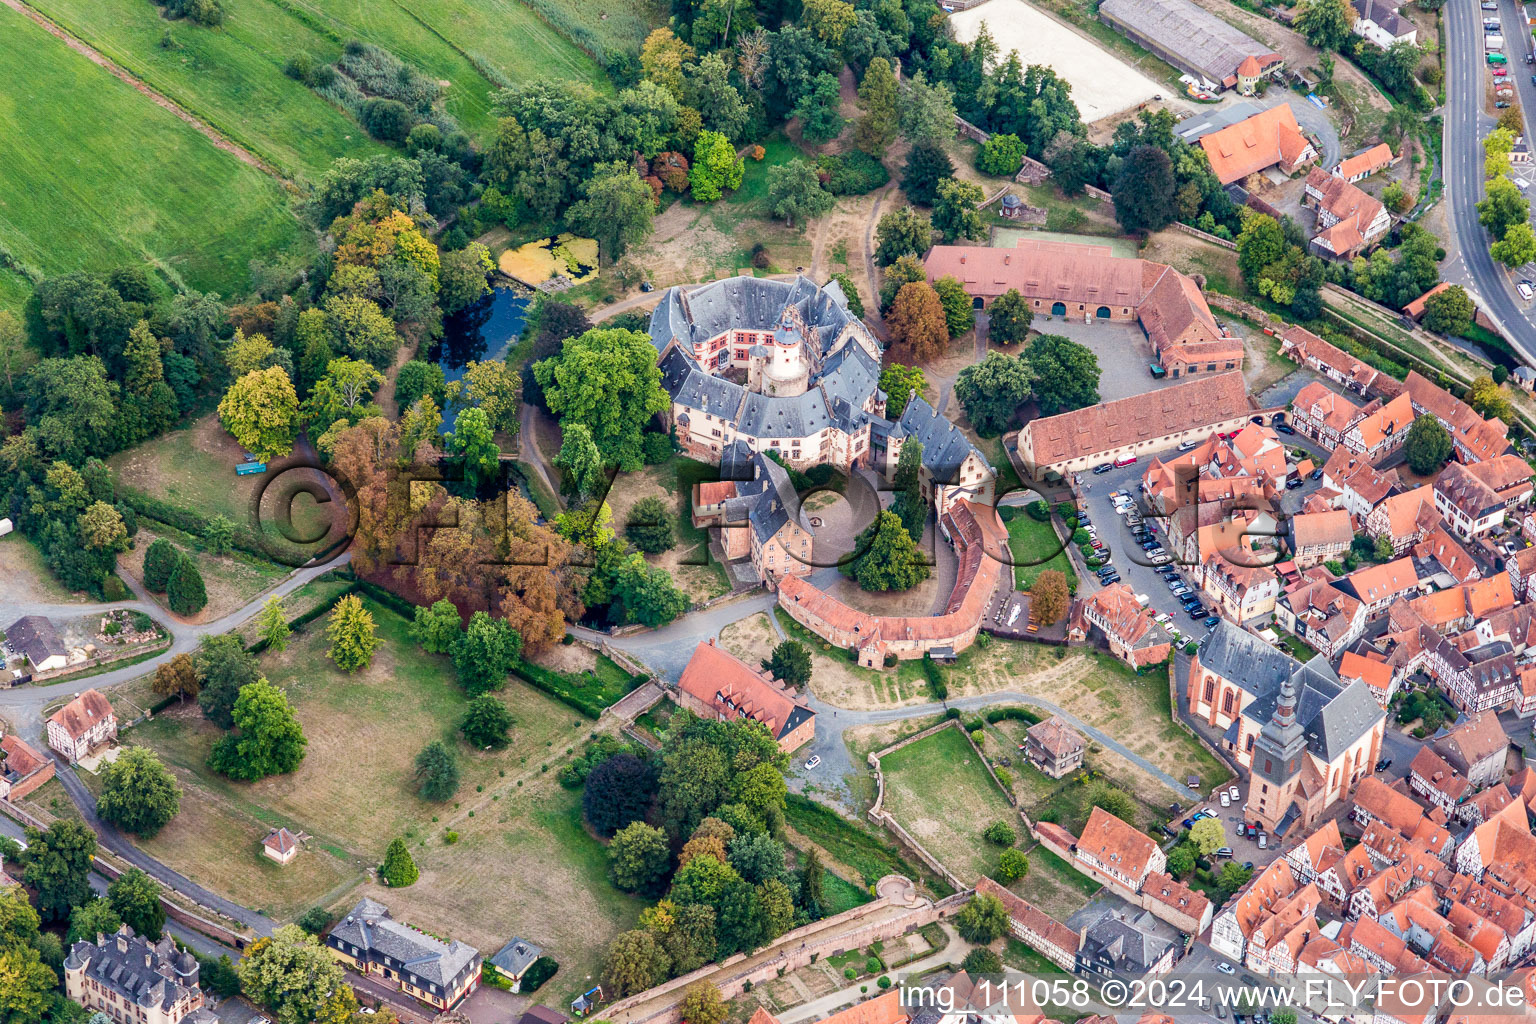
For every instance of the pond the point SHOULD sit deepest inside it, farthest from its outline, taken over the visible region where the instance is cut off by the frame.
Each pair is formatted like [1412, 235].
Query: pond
[483, 332]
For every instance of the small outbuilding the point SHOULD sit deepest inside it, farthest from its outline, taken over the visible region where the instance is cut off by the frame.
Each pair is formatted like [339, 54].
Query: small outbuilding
[513, 960]
[281, 846]
[34, 638]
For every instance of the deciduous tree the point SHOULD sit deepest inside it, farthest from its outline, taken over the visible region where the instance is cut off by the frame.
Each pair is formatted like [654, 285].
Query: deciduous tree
[437, 627]
[177, 678]
[223, 667]
[890, 558]
[1066, 374]
[1517, 247]
[902, 232]
[992, 390]
[899, 383]
[716, 167]
[1010, 318]
[138, 793]
[290, 974]
[101, 528]
[353, 636]
[1208, 835]
[90, 919]
[136, 898]
[1326, 24]
[634, 963]
[916, 320]
[616, 208]
[270, 741]
[1449, 311]
[1503, 207]
[493, 389]
[955, 215]
[261, 412]
[958, 314]
[58, 867]
[820, 119]
[606, 379]
[1049, 597]
[702, 1004]
[982, 920]
[617, 792]
[638, 857]
[795, 192]
[486, 652]
[1001, 155]
[1012, 865]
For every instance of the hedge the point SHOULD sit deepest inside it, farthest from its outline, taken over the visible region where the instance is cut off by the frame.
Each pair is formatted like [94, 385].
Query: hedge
[556, 685]
[189, 522]
[1013, 714]
[540, 971]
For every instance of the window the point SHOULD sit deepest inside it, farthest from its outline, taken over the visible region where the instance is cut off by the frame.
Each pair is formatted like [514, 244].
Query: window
[1226, 703]
[1248, 747]
[1210, 690]
[1268, 769]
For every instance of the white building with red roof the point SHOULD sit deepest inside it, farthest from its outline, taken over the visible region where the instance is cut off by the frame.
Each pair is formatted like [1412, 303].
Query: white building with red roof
[82, 725]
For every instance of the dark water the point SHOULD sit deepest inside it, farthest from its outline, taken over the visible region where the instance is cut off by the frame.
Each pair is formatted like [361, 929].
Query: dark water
[485, 331]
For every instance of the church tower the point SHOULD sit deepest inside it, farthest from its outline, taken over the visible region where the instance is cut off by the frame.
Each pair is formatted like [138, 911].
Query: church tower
[1278, 755]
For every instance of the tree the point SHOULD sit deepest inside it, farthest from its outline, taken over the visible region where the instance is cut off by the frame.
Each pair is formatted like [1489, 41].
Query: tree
[493, 389]
[1000, 833]
[398, 869]
[1395, 197]
[820, 119]
[138, 793]
[353, 636]
[618, 792]
[272, 625]
[270, 741]
[1049, 597]
[662, 58]
[982, 920]
[891, 559]
[473, 443]
[927, 111]
[1181, 860]
[716, 167]
[794, 191]
[290, 974]
[916, 320]
[649, 526]
[1208, 835]
[645, 595]
[462, 281]
[15, 356]
[1504, 207]
[581, 460]
[1517, 247]
[159, 561]
[261, 412]
[1489, 400]
[608, 380]
[1260, 244]
[902, 232]
[958, 314]
[437, 772]
[341, 393]
[1010, 318]
[219, 535]
[907, 482]
[790, 662]
[177, 678]
[616, 208]
[223, 667]
[1233, 877]
[880, 120]
[1108, 798]
[486, 652]
[1326, 24]
[1012, 865]
[828, 19]
[58, 867]
[101, 528]
[29, 960]
[992, 390]
[1144, 192]
[702, 1004]
[638, 857]
[184, 592]
[90, 919]
[899, 383]
[1066, 374]
[136, 899]
[927, 165]
[634, 963]
[1449, 311]
[955, 215]
[359, 329]
[436, 627]
[1001, 156]
[485, 722]
[982, 961]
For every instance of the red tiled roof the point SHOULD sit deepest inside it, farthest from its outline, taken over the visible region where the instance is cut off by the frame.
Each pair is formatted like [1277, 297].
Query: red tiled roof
[19, 755]
[83, 713]
[1111, 841]
[1267, 138]
[714, 675]
[1372, 160]
[280, 841]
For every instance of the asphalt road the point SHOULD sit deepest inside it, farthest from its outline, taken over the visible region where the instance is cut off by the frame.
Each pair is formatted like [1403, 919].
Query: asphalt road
[1465, 127]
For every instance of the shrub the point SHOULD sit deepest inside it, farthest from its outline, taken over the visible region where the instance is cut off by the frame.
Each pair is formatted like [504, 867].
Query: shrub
[1038, 510]
[978, 737]
[760, 258]
[873, 965]
[1000, 833]
[450, 837]
[850, 973]
[883, 982]
[315, 920]
[1080, 537]
[853, 173]
[656, 448]
[540, 971]
[1005, 777]
[113, 589]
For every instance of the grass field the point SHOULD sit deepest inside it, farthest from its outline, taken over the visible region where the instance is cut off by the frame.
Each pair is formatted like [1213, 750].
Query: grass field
[354, 793]
[1053, 885]
[26, 576]
[1036, 548]
[134, 185]
[938, 790]
[232, 580]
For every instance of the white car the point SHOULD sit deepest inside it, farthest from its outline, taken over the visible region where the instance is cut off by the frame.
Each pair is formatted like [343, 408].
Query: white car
[813, 762]
[1232, 792]
[1225, 969]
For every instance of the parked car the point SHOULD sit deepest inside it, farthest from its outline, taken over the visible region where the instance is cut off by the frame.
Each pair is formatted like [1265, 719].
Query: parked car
[1225, 969]
[1225, 851]
[1102, 468]
[1293, 483]
[1317, 474]
[1232, 791]
[1263, 841]
[1111, 580]
[1285, 428]
[813, 762]
[1384, 764]
[1189, 446]
[1210, 623]
[1196, 613]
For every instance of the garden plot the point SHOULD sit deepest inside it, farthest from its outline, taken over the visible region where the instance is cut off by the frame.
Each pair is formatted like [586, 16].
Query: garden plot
[1102, 84]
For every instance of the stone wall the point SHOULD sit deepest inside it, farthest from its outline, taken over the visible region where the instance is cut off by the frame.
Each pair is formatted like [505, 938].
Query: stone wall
[798, 948]
[1203, 236]
[1237, 307]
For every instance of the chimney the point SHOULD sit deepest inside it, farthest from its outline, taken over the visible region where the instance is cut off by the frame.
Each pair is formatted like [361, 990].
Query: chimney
[962, 257]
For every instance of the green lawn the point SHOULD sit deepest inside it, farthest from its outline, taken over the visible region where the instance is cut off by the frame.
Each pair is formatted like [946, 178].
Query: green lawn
[133, 185]
[1036, 548]
[848, 842]
[938, 790]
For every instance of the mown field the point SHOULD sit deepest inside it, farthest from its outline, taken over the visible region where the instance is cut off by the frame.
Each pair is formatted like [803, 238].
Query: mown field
[96, 176]
[355, 792]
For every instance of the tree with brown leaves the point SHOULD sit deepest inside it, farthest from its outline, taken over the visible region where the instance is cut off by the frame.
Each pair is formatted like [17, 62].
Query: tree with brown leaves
[917, 321]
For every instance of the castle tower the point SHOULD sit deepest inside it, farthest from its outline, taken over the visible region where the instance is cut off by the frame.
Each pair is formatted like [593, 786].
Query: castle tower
[787, 372]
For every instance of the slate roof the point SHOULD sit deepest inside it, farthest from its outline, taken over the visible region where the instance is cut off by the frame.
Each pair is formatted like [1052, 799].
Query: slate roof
[945, 446]
[1333, 715]
[369, 927]
[764, 496]
[516, 956]
[146, 974]
[1132, 949]
[1384, 15]
[35, 637]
